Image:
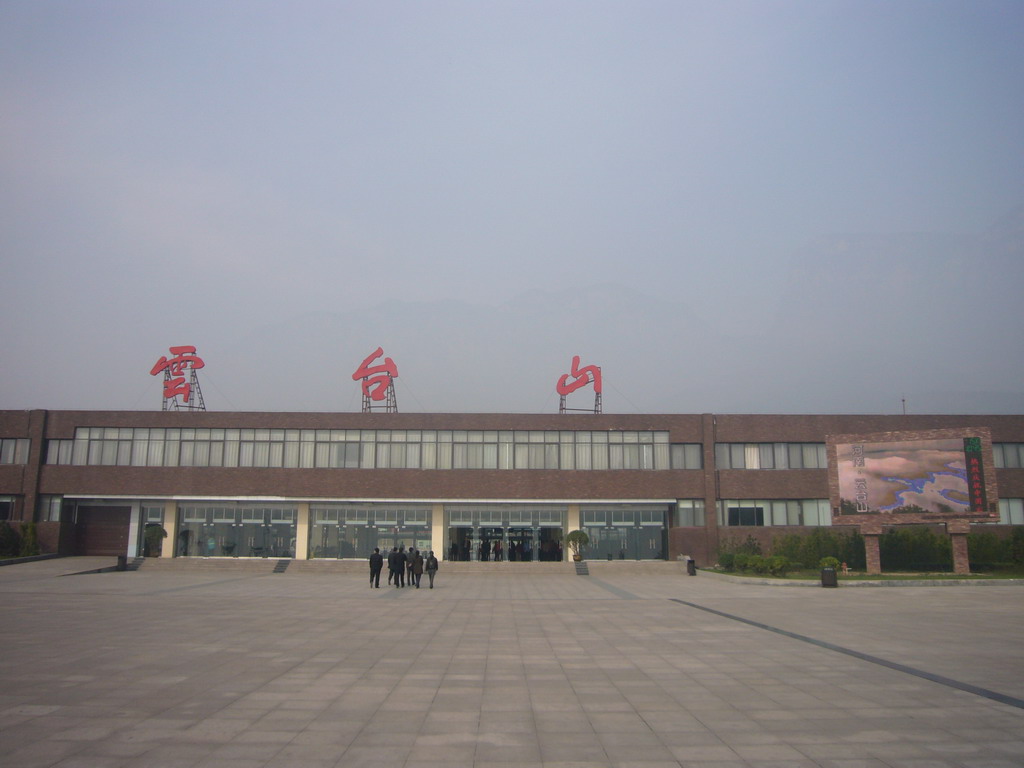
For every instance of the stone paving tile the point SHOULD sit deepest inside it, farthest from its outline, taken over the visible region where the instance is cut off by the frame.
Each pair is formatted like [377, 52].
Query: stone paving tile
[498, 669]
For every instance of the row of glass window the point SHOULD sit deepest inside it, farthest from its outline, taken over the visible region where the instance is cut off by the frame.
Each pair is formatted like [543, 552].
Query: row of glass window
[347, 449]
[1008, 455]
[774, 512]
[771, 456]
[14, 450]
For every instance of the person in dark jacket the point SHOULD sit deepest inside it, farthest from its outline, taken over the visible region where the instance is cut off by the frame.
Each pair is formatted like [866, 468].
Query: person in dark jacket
[400, 560]
[417, 568]
[376, 564]
[392, 555]
[410, 564]
[431, 568]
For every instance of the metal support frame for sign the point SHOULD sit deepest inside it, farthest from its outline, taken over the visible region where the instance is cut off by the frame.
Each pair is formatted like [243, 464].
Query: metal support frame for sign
[195, 400]
[378, 383]
[597, 405]
[580, 378]
[390, 401]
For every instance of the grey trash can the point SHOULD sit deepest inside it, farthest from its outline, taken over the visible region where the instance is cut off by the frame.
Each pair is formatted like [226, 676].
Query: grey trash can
[122, 562]
[828, 577]
[691, 567]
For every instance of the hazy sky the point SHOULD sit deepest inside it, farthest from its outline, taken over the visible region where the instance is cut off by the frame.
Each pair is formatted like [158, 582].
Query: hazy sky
[729, 206]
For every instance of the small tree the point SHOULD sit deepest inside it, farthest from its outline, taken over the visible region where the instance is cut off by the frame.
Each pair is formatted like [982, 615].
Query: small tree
[576, 541]
[10, 544]
[29, 542]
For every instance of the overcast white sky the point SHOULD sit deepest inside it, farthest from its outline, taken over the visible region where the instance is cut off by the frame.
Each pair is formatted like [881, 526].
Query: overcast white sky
[729, 206]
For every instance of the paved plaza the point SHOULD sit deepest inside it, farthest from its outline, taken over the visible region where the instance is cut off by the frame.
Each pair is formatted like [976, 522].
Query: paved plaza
[501, 667]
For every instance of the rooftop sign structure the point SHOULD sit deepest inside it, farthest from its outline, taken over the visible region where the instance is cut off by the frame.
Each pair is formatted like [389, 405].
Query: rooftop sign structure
[183, 359]
[580, 378]
[378, 383]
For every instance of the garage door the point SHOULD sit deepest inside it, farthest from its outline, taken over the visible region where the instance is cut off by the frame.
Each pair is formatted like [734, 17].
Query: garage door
[102, 530]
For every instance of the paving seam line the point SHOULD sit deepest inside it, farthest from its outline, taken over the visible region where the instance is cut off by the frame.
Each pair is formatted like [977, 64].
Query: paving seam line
[1002, 698]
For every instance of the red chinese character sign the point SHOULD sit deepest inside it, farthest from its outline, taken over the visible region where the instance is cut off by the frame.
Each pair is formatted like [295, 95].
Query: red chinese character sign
[378, 382]
[174, 368]
[580, 377]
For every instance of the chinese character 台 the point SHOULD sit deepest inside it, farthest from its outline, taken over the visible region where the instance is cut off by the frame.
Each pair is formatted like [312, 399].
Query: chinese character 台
[376, 378]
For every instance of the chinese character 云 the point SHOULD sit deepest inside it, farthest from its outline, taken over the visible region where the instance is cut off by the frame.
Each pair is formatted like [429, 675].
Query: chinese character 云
[174, 383]
[376, 378]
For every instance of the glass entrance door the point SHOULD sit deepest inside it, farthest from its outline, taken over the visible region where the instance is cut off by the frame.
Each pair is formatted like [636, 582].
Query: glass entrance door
[521, 545]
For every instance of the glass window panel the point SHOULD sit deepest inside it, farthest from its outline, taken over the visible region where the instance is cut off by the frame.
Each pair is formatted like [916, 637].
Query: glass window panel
[156, 453]
[631, 456]
[459, 456]
[475, 456]
[615, 456]
[412, 456]
[766, 456]
[722, 455]
[444, 455]
[752, 456]
[291, 454]
[307, 455]
[276, 455]
[737, 456]
[599, 455]
[795, 456]
[810, 455]
[505, 454]
[124, 453]
[171, 452]
[231, 451]
[551, 456]
[780, 459]
[247, 452]
[217, 454]
[567, 456]
[187, 454]
[261, 454]
[648, 460]
[522, 456]
[398, 456]
[323, 454]
[489, 455]
[383, 455]
[583, 456]
[367, 454]
[536, 456]
[428, 455]
[140, 448]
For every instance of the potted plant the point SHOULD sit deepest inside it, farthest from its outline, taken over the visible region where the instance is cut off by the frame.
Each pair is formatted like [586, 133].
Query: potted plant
[154, 540]
[576, 541]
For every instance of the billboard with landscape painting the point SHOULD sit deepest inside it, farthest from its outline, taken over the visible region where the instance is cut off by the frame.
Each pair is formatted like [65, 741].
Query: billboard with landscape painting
[908, 477]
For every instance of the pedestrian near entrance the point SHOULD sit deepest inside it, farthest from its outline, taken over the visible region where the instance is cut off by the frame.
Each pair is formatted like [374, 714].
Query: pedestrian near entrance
[392, 559]
[431, 568]
[376, 564]
[400, 560]
[410, 564]
[417, 568]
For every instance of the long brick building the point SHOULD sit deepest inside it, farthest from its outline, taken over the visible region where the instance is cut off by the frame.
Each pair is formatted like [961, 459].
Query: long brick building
[468, 486]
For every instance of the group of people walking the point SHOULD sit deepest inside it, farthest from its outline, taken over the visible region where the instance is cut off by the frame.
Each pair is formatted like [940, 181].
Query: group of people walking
[403, 567]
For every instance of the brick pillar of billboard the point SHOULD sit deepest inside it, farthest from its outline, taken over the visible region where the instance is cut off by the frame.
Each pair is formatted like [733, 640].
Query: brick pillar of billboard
[958, 535]
[872, 556]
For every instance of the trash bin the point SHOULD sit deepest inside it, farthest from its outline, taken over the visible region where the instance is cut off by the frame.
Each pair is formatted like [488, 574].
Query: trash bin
[609, 557]
[691, 567]
[828, 577]
[122, 562]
